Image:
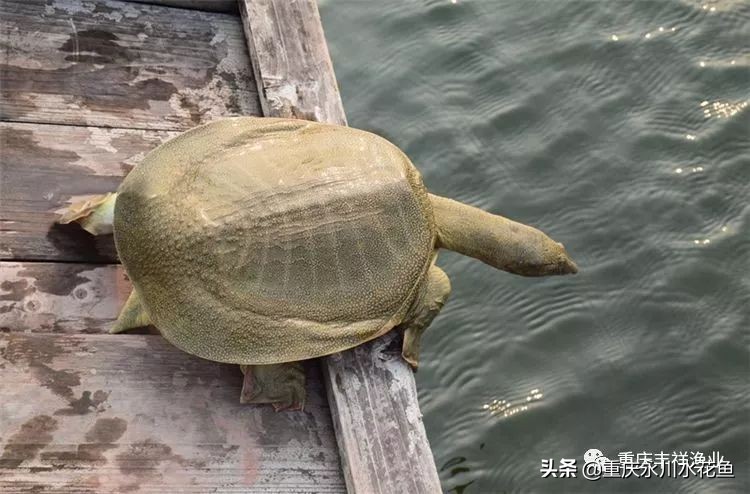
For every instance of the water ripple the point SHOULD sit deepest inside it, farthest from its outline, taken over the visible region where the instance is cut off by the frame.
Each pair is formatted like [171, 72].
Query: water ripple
[587, 120]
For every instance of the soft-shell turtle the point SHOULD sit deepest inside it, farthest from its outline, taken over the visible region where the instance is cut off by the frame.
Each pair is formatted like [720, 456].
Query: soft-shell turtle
[263, 242]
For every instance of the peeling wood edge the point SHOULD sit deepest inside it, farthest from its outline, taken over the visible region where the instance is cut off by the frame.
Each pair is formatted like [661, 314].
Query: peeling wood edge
[254, 65]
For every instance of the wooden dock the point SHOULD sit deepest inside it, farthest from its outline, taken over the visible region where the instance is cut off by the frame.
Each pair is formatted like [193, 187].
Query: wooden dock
[87, 89]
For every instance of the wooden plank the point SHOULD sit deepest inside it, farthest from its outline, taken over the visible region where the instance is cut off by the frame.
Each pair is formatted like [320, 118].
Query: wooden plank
[131, 413]
[61, 297]
[379, 428]
[125, 413]
[373, 398]
[290, 59]
[45, 167]
[121, 64]
[227, 6]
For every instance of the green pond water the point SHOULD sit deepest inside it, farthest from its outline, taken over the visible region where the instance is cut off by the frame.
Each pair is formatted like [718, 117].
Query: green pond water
[622, 129]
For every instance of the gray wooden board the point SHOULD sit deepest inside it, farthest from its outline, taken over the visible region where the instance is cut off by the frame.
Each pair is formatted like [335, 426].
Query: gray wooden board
[131, 413]
[61, 297]
[43, 168]
[124, 413]
[290, 59]
[379, 428]
[121, 64]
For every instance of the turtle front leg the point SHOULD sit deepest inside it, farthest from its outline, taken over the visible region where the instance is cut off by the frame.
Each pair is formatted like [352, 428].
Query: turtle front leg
[434, 294]
[281, 385]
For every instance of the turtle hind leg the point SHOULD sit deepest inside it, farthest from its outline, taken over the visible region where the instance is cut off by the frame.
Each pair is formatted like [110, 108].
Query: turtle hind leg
[95, 215]
[431, 300]
[281, 385]
[132, 315]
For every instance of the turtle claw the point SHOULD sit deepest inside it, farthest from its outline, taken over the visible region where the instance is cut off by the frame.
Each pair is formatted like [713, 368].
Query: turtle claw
[297, 405]
[410, 349]
[412, 361]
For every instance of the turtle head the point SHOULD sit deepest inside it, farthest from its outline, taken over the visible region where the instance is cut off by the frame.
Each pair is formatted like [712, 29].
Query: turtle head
[540, 256]
[500, 242]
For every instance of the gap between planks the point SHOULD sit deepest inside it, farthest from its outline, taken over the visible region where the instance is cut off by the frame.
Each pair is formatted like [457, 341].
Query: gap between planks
[224, 6]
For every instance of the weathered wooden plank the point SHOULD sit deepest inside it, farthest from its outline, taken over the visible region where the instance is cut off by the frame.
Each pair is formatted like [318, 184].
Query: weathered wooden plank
[61, 297]
[372, 393]
[379, 428]
[227, 6]
[131, 413]
[126, 413]
[121, 64]
[45, 167]
[290, 59]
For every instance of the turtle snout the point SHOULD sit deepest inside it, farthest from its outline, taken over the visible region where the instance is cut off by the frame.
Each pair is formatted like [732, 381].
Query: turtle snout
[569, 267]
[566, 264]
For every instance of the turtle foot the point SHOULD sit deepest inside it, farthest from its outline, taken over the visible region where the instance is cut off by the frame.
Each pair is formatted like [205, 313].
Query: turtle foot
[95, 215]
[431, 300]
[281, 385]
[412, 361]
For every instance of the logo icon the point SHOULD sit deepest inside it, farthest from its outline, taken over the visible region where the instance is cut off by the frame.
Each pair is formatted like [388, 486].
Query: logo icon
[595, 464]
[595, 456]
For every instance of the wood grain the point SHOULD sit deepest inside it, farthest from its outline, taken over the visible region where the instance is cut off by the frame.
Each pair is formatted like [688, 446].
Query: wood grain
[119, 413]
[121, 64]
[131, 413]
[61, 297]
[379, 428]
[43, 168]
[290, 60]
[373, 397]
